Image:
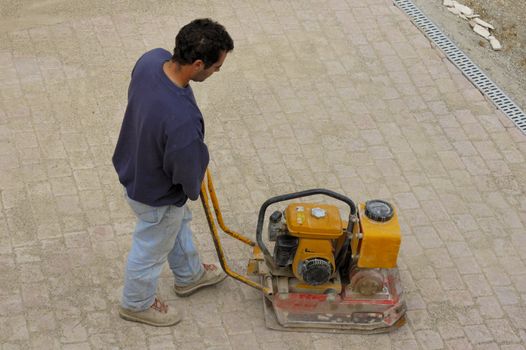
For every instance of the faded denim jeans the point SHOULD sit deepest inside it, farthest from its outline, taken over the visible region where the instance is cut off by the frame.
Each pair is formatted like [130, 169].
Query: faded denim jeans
[161, 233]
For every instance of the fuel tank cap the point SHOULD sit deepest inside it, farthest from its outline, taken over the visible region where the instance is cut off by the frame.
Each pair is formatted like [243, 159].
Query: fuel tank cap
[318, 213]
[379, 210]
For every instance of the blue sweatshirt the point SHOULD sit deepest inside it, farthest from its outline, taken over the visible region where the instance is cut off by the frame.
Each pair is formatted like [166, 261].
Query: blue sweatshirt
[160, 156]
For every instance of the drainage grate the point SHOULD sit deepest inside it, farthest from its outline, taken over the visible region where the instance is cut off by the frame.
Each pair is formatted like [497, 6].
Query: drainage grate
[466, 66]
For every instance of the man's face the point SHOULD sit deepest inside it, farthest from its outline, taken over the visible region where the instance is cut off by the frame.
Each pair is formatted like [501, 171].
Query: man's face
[201, 74]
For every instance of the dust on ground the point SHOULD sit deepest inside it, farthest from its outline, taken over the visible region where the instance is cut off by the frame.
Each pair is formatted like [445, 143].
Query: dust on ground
[507, 68]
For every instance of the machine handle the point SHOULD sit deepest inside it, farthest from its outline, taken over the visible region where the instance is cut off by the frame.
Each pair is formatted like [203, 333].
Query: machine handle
[204, 194]
[286, 197]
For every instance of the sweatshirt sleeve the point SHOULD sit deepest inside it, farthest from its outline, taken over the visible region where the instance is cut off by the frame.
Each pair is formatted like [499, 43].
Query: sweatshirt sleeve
[186, 166]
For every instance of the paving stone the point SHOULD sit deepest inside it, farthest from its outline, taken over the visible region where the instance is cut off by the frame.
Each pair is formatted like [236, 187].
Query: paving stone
[450, 329]
[428, 237]
[233, 324]
[189, 346]
[406, 201]
[45, 341]
[243, 341]
[430, 339]
[406, 344]
[478, 334]
[431, 290]
[73, 331]
[512, 347]
[458, 344]
[35, 295]
[487, 346]
[469, 316]
[80, 346]
[519, 282]
[439, 258]
[11, 304]
[502, 331]
[450, 279]
[460, 298]
[477, 285]
[461, 253]
[14, 328]
[497, 276]
[489, 307]
[419, 319]
[485, 257]
[507, 295]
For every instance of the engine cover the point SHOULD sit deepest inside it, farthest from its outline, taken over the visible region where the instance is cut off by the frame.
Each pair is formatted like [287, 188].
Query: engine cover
[314, 261]
[318, 227]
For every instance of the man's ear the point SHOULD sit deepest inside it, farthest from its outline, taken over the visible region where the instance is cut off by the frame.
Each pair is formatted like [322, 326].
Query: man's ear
[198, 65]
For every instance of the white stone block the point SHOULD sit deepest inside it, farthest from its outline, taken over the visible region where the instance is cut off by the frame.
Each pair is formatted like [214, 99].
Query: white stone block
[484, 23]
[467, 11]
[495, 44]
[480, 30]
[454, 10]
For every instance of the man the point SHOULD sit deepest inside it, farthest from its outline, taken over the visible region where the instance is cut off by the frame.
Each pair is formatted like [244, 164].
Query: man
[161, 159]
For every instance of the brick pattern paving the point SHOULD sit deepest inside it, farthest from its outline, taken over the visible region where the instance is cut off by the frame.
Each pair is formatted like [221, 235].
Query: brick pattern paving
[346, 95]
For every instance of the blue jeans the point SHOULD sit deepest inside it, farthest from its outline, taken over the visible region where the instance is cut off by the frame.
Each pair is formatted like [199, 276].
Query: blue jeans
[160, 233]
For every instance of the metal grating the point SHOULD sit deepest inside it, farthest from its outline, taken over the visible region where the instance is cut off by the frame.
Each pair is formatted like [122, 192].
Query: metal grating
[466, 66]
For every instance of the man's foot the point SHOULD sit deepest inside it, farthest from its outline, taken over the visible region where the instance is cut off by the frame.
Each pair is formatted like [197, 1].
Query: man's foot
[158, 315]
[212, 275]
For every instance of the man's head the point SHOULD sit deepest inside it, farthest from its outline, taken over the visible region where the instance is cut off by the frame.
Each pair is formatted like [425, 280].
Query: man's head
[203, 44]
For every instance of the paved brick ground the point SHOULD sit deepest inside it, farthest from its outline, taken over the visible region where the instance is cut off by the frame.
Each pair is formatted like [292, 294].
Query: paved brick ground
[346, 95]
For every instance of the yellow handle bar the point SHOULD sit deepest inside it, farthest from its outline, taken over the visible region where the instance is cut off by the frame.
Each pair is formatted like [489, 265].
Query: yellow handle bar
[209, 190]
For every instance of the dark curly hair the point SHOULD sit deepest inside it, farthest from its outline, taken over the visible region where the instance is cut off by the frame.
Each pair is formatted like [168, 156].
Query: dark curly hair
[202, 39]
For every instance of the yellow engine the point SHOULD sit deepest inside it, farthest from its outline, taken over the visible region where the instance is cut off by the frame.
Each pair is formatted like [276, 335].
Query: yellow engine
[310, 236]
[316, 227]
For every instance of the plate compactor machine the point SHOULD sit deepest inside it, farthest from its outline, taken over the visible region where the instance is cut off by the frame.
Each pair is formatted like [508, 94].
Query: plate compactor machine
[324, 274]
